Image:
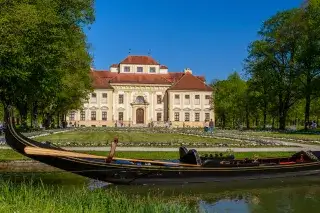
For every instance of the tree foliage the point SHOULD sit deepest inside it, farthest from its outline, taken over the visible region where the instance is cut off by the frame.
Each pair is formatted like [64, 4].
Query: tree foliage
[43, 52]
[283, 69]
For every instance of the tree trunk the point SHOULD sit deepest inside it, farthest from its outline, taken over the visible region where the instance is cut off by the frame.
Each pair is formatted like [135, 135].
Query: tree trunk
[223, 121]
[247, 117]
[58, 120]
[23, 112]
[282, 121]
[282, 114]
[264, 118]
[273, 122]
[34, 115]
[307, 108]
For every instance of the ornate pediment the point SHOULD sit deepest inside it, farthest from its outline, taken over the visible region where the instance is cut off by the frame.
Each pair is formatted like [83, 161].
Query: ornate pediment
[197, 109]
[176, 109]
[159, 109]
[121, 109]
[93, 108]
[140, 100]
[104, 108]
[207, 109]
[187, 109]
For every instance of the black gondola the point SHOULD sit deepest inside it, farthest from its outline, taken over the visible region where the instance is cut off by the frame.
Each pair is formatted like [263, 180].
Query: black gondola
[190, 168]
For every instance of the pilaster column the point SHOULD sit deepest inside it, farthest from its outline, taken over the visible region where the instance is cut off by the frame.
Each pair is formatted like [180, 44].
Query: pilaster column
[114, 104]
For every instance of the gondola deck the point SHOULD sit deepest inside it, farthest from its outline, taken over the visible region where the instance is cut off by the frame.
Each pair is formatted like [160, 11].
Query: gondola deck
[190, 168]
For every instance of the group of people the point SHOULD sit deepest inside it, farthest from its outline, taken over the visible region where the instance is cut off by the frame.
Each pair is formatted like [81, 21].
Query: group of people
[1, 128]
[208, 126]
[312, 124]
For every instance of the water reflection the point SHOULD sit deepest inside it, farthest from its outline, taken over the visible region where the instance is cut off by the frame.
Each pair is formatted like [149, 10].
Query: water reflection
[268, 196]
[223, 205]
[293, 195]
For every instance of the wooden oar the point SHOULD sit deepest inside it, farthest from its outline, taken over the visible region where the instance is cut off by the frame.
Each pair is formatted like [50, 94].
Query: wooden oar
[51, 152]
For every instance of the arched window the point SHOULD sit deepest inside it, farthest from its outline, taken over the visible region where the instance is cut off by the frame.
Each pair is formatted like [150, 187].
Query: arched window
[140, 100]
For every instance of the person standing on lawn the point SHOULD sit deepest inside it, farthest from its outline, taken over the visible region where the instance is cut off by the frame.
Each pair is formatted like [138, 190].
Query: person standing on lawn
[211, 126]
[112, 150]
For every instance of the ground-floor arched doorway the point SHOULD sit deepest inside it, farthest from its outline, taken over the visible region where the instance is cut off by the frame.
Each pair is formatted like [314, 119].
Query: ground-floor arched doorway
[140, 116]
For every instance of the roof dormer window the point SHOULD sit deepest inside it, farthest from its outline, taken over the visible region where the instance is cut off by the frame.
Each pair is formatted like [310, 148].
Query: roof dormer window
[152, 70]
[139, 69]
[126, 69]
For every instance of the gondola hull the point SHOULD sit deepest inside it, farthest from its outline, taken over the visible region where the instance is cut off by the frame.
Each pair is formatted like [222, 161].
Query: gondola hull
[122, 173]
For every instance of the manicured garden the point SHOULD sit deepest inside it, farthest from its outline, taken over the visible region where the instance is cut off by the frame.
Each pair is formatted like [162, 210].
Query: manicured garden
[154, 137]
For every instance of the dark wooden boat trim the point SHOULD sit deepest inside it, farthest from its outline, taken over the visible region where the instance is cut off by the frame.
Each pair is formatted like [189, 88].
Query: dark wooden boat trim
[140, 174]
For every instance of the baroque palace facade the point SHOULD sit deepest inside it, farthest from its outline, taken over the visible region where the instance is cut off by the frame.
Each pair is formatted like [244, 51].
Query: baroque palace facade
[139, 91]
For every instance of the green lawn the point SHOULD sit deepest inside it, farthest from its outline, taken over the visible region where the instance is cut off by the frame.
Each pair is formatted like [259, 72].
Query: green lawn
[8, 154]
[105, 137]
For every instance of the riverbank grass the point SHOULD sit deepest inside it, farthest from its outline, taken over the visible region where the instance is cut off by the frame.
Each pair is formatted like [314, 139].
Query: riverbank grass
[29, 197]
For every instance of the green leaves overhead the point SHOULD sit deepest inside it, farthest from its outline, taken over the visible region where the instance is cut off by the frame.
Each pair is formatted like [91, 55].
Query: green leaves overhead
[42, 47]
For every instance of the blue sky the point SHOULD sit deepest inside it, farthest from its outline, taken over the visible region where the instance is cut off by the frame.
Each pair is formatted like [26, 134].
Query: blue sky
[209, 36]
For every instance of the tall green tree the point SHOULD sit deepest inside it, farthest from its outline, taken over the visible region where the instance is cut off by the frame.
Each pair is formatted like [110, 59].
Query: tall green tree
[229, 101]
[309, 53]
[37, 37]
[275, 53]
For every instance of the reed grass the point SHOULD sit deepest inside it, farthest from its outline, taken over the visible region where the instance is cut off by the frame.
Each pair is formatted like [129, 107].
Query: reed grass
[31, 197]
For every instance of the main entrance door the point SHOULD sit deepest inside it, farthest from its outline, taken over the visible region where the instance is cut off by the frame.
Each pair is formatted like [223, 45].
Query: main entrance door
[140, 116]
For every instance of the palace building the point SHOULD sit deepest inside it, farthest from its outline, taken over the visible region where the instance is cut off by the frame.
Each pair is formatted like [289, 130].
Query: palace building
[139, 91]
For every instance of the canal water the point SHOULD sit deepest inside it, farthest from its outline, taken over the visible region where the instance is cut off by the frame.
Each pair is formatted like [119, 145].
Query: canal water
[290, 195]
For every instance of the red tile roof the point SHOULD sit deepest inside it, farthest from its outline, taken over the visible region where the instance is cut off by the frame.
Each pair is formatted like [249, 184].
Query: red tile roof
[163, 67]
[135, 59]
[178, 80]
[140, 78]
[115, 65]
[190, 82]
[100, 79]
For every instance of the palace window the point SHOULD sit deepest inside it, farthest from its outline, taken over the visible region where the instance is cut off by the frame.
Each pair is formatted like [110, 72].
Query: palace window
[207, 117]
[139, 69]
[83, 115]
[72, 115]
[120, 116]
[159, 99]
[176, 116]
[207, 99]
[93, 115]
[159, 116]
[104, 98]
[94, 98]
[187, 116]
[121, 99]
[197, 100]
[197, 116]
[104, 115]
[187, 99]
[126, 69]
[177, 99]
[152, 70]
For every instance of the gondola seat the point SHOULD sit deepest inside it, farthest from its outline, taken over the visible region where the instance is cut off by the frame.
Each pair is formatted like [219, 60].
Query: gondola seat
[192, 157]
[182, 151]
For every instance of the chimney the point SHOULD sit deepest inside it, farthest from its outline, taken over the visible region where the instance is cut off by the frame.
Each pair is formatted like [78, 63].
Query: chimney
[188, 70]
